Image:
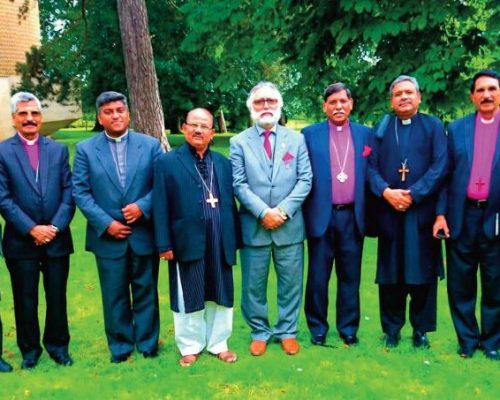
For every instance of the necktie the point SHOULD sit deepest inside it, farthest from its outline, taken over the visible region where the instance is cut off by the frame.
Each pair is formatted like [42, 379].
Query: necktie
[267, 144]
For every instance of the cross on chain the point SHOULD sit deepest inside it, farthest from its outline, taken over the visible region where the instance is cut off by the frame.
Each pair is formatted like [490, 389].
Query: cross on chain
[403, 171]
[212, 200]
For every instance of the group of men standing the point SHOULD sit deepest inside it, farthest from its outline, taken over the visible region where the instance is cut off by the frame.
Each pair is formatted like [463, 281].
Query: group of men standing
[143, 206]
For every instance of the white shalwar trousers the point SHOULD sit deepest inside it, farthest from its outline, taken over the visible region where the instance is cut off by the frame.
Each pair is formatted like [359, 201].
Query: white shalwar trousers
[210, 327]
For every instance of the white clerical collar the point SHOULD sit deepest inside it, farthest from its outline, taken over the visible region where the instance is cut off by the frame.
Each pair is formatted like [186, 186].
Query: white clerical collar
[406, 121]
[28, 142]
[117, 139]
[487, 121]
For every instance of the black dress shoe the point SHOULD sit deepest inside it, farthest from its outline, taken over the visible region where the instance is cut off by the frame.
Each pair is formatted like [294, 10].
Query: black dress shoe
[150, 353]
[392, 340]
[29, 363]
[420, 340]
[5, 366]
[119, 358]
[318, 340]
[491, 354]
[62, 359]
[350, 340]
[466, 353]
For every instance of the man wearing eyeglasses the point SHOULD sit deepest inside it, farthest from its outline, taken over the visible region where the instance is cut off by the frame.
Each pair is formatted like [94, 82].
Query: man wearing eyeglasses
[271, 178]
[196, 226]
[36, 204]
[112, 186]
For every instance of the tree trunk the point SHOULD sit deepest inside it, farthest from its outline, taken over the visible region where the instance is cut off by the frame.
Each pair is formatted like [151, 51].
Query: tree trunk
[222, 121]
[142, 83]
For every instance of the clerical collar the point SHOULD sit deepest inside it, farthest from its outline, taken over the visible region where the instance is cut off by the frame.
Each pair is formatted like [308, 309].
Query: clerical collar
[487, 121]
[338, 128]
[406, 121]
[117, 139]
[27, 141]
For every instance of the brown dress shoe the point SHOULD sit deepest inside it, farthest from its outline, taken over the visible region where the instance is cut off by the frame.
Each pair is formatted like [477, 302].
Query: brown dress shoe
[290, 346]
[258, 347]
[188, 360]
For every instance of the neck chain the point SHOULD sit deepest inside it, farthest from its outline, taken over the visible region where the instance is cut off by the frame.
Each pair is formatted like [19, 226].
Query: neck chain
[404, 170]
[342, 176]
[211, 199]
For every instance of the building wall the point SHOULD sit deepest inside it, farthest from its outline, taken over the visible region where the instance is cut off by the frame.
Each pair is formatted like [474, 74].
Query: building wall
[17, 34]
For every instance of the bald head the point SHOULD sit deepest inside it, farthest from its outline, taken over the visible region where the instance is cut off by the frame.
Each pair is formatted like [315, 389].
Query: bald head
[200, 113]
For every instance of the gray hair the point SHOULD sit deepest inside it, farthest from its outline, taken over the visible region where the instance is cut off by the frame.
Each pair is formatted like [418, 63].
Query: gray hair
[23, 97]
[108, 97]
[261, 85]
[403, 78]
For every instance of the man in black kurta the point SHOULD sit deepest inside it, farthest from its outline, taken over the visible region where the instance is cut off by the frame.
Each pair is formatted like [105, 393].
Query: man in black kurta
[405, 171]
[195, 225]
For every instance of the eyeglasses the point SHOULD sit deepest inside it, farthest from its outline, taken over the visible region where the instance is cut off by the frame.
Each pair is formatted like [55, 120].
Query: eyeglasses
[203, 128]
[24, 114]
[261, 102]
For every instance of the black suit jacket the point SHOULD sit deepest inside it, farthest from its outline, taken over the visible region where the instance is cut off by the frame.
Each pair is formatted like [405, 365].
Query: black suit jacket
[177, 208]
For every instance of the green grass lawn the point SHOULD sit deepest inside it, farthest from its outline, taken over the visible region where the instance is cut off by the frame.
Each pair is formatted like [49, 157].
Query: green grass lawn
[365, 371]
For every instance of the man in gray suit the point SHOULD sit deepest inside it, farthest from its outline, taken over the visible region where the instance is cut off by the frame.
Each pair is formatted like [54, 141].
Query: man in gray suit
[112, 186]
[271, 177]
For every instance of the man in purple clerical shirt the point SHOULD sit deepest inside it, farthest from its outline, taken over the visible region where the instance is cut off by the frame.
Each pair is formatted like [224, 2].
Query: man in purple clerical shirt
[468, 215]
[37, 206]
[334, 214]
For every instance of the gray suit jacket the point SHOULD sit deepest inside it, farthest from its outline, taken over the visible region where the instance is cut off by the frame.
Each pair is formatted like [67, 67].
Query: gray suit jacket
[98, 194]
[260, 183]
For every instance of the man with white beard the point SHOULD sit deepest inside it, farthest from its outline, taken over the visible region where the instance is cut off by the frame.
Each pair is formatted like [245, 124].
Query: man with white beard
[271, 178]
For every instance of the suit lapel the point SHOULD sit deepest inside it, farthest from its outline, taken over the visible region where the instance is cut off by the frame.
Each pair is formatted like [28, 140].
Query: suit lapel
[357, 139]
[43, 163]
[134, 155]
[255, 143]
[186, 159]
[469, 138]
[103, 154]
[496, 156]
[24, 163]
[280, 149]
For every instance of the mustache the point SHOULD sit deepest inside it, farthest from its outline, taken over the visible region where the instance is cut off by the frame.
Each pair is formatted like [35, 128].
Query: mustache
[29, 123]
[486, 101]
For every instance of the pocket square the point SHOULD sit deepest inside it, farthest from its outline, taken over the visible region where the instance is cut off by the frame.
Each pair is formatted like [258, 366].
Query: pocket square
[287, 158]
[367, 150]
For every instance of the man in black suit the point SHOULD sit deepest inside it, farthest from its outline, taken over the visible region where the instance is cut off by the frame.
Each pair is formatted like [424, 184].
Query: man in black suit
[36, 203]
[196, 231]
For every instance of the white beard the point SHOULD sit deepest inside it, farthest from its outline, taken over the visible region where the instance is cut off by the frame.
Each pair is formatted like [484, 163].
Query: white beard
[267, 119]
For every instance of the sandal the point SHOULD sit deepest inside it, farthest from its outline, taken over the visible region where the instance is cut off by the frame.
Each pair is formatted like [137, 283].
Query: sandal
[188, 360]
[227, 356]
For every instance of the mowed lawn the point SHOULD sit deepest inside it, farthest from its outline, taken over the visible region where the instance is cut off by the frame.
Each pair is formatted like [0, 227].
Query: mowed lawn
[365, 371]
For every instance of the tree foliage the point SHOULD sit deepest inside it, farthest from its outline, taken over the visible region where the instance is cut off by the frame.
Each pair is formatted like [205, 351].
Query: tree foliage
[365, 43]
[210, 53]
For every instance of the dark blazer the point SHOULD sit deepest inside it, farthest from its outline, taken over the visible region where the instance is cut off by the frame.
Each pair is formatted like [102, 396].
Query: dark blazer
[427, 160]
[318, 205]
[24, 202]
[178, 214]
[453, 196]
[98, 193]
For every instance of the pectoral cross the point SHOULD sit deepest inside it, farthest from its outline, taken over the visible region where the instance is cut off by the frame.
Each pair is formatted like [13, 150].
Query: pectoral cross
[403, 171]
[212, 200]
[480, 184]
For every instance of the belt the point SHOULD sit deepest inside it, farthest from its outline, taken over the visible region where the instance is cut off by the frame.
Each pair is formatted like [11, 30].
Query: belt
[340, 207]
[476, 203]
